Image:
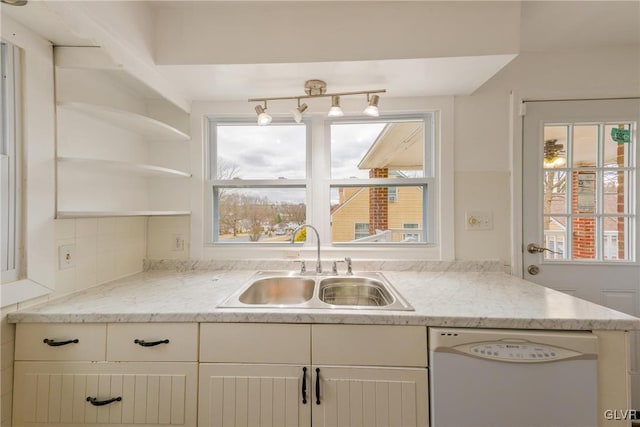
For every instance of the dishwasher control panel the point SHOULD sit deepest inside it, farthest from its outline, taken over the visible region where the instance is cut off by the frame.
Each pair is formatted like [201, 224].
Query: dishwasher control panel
[516, 351]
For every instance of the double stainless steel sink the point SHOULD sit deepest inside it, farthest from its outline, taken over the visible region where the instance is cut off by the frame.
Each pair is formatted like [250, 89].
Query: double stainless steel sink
[281, 289]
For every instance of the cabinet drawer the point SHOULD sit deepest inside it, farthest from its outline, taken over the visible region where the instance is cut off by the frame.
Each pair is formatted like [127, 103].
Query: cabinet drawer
[370, 345]
[48, 394]
[255, 343]
[156, 342]
[64, 341]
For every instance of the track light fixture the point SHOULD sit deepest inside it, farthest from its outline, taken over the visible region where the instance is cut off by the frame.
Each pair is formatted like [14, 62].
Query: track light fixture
[318, 89]
[263, 117]
[372, 108]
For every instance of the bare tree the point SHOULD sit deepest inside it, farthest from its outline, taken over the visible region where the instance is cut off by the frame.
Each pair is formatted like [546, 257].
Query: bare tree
[230, 211]
[256, 211]
[555, 188]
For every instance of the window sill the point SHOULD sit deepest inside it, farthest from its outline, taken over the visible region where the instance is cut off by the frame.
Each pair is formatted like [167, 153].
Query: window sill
[21, 291]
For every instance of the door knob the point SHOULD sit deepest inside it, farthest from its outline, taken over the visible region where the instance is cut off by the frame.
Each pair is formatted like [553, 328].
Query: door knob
[532, 248]
[533, 270]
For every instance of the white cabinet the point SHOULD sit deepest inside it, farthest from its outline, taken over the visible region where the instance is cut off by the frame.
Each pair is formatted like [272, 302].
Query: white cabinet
[48, 394]
[253, 395]
[76, 375]
[147, 374]
[351, 375]
[122, 148]
[252, 375]
[371, 396]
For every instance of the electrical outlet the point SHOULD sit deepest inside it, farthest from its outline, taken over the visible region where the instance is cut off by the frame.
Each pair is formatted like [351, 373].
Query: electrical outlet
[177, 243]
[66, 257]
[479, 220]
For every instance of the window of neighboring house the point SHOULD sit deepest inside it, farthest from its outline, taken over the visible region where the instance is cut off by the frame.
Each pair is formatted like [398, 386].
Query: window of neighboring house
[262, 183]
[258, 181]
[361, 229]
[10, 163]
[410, 236]
[393, 194]
[372, 162]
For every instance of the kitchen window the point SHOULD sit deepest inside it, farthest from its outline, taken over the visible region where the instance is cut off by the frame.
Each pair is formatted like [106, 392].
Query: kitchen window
[381, 172]
[259, 180]
[10, 162]
[376, 176]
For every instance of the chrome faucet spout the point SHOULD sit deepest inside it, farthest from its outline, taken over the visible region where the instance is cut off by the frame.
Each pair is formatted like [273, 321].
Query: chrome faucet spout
[293, 239]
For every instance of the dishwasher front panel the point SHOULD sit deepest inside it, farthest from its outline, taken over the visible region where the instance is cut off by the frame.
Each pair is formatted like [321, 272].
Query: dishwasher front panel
[486, 378]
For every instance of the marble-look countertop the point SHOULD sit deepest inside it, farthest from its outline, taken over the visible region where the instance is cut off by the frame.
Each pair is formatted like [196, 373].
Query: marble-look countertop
[486, 299]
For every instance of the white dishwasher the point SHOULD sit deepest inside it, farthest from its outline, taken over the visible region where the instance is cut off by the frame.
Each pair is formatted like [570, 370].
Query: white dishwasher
[512, 378]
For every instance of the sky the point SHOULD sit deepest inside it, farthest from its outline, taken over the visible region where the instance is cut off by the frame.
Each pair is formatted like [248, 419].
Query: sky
[275, 151]
[278, 151]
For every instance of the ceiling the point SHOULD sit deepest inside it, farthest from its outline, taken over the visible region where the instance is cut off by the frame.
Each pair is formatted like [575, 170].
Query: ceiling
[543, 26]
[400, 77]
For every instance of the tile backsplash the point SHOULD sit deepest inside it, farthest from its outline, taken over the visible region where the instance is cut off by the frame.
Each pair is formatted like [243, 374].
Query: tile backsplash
[105, 249]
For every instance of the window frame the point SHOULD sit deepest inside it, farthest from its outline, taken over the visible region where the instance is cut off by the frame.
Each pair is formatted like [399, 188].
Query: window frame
[11, 158]
[428, 181]
[441, 246]
[213, 185]
[599, 214]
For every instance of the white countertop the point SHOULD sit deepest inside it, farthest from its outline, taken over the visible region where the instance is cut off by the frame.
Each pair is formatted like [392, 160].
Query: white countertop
[456, 299]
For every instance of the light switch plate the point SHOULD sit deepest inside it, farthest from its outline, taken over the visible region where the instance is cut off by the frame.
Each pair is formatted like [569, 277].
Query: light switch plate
[479, 220]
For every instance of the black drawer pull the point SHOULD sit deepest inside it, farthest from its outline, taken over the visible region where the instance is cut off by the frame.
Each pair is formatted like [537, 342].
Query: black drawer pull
[95, 402]
[143, 343]
[304, 386]
[54, 343]
[317, 386]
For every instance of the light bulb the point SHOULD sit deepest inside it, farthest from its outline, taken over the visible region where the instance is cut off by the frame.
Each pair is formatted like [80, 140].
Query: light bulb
[263, 117]
[335, 110]
[372, 108]
[297, 112]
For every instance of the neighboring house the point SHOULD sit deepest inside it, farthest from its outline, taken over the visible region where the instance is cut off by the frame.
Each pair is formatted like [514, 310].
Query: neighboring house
[351, 220]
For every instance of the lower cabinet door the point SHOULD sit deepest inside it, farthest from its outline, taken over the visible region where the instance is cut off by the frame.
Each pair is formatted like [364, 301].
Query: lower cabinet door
[128, 394]
[254, 395]
[370, 397]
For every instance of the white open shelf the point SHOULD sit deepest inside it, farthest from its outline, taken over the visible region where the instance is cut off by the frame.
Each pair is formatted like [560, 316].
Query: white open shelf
[145, 126]
[130, 168]
[113, 125]
[102, 214]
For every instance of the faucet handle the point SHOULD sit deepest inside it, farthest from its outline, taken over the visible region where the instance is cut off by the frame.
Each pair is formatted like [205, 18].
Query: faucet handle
[349, 269]
[334, 269]
[303, 266]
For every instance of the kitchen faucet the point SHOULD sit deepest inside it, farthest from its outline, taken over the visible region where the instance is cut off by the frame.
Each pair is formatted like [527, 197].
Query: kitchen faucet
[293, 239]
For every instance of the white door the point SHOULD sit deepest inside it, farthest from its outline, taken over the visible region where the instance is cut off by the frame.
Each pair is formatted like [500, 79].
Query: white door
[254, 395]
[580, 202]
[370, 397]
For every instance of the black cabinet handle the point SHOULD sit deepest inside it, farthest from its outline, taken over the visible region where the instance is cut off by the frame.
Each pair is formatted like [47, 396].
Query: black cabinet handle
[143, 343]
[54, 343]
[317, 386]
[304, 386]
[95, 402]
